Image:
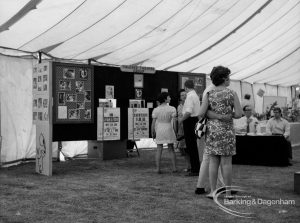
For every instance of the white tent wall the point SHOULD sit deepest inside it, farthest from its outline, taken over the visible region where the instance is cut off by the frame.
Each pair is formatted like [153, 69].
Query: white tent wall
[18, 133]
[17, 130]
[236, 86]
[271, 90]
[285, 92]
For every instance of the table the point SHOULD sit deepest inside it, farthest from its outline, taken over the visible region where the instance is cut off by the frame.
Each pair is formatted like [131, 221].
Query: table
[261, 150]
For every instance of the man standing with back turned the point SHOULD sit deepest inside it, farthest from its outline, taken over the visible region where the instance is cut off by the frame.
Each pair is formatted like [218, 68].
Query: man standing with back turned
[190, 111]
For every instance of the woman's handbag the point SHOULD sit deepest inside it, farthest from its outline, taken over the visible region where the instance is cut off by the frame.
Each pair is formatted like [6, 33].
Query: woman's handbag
[201, 127]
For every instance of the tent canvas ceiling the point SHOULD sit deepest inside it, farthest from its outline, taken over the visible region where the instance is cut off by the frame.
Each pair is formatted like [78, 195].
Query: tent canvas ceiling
[259, 40]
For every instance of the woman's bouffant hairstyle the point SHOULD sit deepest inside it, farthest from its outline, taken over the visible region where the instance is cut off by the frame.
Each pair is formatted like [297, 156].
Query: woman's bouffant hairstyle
[219, 74]
[162, 97]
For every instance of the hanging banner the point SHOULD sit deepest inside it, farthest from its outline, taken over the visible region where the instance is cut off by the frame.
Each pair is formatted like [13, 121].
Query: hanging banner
[138, 123]
[42, 116]
[108, 124]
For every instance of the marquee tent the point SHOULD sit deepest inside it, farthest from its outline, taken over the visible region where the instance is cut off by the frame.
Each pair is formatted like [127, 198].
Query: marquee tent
[259, 40]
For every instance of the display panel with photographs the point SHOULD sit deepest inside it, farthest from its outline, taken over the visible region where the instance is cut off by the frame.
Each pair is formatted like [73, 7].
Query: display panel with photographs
[73, 93]
[42, 117]
[199, 82]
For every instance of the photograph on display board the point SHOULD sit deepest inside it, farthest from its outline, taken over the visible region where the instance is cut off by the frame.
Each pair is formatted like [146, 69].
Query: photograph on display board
[73, 114]
[61, 98]
[138, 93]
[45, 116]
[76, 82]
[39, 78]
[105, 103]
[62, 112]
[68, 73]
[35, 104]
[45, 103]
[40, 116]
[79, 86]
[45, 68]
[40, 103]
[199, 82]
[71, 98]
[34, 83]
[133, 103]
[80, 105]
[34, 116]
[40, 87]
[65, 86]
[87, 114]
[138, 81]
[109, 91]
[83, 74]
[45, 87]
[87, 96]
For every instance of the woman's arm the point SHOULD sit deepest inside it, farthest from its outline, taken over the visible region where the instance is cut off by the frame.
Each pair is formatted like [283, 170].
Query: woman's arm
[153, 128]
[204, 106]
[212, 115]
[237, 107]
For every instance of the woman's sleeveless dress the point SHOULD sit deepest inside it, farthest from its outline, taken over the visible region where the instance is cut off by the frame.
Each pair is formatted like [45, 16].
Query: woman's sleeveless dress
[220, 135]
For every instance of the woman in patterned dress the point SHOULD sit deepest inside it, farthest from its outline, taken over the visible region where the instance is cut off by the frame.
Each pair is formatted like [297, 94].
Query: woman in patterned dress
[220, 135]
[162, 129]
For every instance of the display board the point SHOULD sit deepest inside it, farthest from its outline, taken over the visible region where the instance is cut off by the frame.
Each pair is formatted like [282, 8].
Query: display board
[138, 123]
[42, 116]
[73, 93]
[270, 100]
[199, 82]
[108, 123]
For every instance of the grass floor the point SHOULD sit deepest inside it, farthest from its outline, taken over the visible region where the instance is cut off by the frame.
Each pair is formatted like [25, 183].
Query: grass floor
[128, 190]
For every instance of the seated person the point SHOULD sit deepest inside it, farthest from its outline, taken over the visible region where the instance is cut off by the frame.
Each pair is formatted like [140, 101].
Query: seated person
[279, 126]
[247, 123]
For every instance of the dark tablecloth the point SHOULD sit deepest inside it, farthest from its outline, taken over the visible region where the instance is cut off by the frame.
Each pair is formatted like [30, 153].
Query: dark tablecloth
[261, 150]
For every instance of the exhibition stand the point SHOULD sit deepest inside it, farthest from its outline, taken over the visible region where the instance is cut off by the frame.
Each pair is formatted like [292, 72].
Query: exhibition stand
[106, 106]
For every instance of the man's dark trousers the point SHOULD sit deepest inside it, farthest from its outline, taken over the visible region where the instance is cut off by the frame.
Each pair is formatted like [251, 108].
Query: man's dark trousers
[191, 142]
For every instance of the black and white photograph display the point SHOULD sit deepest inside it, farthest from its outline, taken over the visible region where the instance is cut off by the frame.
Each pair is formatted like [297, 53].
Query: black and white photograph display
[74, 87]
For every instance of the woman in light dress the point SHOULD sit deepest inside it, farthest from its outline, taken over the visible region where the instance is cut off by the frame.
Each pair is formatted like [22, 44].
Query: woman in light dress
[163, 129]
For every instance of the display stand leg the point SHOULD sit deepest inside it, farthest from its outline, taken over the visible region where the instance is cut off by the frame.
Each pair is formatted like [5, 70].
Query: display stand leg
[137, 150]
[59, 148]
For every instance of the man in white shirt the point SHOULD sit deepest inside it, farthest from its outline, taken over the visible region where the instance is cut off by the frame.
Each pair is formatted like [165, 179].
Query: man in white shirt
[279, 126]
[248, 123]
[190, 111]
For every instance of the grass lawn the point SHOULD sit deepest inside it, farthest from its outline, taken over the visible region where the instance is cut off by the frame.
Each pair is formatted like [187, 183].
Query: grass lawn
[128, 190]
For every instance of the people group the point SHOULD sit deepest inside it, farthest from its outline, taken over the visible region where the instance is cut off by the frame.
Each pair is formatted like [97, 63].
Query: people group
[220, 105]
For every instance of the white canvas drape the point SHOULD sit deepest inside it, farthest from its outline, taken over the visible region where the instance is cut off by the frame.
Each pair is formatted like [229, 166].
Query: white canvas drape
[18, 133]
[271, 90]
[17, 130]
[286, 92]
